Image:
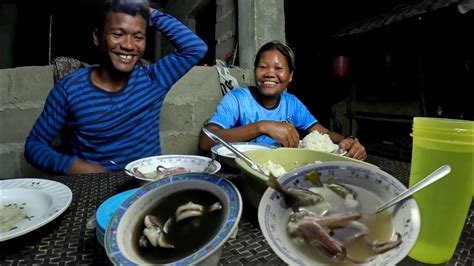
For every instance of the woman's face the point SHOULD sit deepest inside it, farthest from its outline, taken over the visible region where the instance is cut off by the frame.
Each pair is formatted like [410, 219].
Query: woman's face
[272, 73]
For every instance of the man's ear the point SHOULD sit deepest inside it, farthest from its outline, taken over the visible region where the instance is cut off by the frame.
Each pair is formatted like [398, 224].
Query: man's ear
[95, 37]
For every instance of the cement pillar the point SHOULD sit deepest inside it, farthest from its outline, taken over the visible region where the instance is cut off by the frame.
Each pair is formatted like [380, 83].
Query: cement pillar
[260, 21]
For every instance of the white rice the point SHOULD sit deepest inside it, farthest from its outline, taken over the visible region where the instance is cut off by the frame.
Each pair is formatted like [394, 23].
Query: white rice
[319, 142]
[274, 169]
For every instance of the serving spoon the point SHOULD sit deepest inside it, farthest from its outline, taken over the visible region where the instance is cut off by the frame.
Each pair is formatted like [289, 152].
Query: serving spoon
[430, 179]
[229, 146]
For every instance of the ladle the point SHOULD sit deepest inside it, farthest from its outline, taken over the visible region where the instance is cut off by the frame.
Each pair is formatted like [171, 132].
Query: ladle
[229, 146]
[430, 179]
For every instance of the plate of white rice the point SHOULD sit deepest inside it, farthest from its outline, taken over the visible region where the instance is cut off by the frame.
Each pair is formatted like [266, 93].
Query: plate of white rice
[318, 142]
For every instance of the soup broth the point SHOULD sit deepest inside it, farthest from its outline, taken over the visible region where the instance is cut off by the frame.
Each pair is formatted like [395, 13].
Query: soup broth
[188, 235]
[380, 225]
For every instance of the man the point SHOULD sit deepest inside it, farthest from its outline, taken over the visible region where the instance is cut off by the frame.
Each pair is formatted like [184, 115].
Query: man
[112, 111]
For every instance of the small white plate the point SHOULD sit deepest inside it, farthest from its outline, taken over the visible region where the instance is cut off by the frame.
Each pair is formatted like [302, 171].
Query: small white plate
[192, 163]
[29, 203]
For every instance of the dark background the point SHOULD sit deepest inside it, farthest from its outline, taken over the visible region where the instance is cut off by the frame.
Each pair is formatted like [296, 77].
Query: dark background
[430, 53]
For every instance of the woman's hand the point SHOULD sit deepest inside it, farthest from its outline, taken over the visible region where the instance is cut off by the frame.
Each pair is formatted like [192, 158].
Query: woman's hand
[285, 133]
[353, 147]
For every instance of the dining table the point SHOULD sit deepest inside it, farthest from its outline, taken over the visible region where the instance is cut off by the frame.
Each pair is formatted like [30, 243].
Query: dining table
[70, 239]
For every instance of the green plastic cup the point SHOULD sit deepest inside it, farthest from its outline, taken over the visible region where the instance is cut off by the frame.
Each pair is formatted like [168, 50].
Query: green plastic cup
[443, 129]
[443, 205]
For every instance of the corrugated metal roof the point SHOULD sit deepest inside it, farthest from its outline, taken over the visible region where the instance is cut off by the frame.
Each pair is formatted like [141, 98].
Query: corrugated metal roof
[395, 15]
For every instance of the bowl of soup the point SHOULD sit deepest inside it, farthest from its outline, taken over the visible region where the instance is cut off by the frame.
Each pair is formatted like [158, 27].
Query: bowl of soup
[254, 183]
[176, 220]
[335, 222]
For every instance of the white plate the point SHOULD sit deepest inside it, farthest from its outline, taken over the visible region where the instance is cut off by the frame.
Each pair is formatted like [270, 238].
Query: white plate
[29, 203]
[193, 163]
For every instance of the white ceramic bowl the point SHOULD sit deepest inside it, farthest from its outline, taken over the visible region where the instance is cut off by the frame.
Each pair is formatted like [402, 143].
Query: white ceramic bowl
[273, 214]
[227, 157]
[119, 235]
[193, 163]
[254, 184]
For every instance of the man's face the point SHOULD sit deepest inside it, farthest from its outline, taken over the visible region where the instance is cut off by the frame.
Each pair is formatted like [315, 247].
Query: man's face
[123, 40]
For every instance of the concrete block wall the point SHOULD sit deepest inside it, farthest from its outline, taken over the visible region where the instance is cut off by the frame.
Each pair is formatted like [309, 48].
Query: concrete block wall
[191, 101]
[226, 30]
[22, 94]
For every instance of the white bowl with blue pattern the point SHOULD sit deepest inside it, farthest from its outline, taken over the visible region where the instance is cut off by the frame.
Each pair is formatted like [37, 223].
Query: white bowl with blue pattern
[119, 234]
[273, 215]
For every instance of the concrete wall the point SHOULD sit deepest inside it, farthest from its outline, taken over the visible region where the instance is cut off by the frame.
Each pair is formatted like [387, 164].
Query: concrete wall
[22, 94]
[226, 30]
[185, 11]
[259, 22]
[189, 104]
[191, 101]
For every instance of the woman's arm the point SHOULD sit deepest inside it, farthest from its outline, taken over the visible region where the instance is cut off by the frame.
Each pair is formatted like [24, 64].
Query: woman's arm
[284, 133]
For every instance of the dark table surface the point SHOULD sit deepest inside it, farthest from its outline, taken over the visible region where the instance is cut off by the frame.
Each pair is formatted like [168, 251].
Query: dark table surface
[66, 240]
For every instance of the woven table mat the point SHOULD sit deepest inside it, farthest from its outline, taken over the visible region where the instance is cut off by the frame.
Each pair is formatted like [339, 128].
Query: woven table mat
[66, 240]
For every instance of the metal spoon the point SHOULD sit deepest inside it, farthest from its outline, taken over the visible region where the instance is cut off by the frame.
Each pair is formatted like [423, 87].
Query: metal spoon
[229, 146]
[430, 179]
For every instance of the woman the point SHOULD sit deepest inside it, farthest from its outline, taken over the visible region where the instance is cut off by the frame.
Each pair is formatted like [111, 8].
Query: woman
[267, 113]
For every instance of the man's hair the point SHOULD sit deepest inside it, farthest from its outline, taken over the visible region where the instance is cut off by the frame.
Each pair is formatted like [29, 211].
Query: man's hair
[130, 7]
[284, 49]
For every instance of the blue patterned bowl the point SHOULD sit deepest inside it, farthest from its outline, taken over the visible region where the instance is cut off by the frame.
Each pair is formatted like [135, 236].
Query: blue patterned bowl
[273, 215]
[120, 230]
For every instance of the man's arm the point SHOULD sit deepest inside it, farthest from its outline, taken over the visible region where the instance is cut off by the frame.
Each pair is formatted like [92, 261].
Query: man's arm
[189, 49]
[38, 151]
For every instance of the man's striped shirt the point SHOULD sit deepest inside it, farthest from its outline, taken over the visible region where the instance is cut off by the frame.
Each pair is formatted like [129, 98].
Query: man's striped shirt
[122, 126]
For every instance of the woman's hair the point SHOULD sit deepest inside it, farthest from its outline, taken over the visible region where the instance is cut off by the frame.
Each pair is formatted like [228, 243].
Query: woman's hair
[130, 7]
[284, 49]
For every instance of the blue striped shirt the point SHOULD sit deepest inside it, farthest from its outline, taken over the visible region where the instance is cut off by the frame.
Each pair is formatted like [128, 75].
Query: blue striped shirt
[122, 126]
